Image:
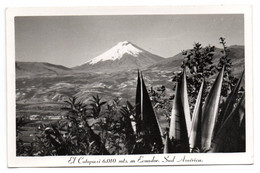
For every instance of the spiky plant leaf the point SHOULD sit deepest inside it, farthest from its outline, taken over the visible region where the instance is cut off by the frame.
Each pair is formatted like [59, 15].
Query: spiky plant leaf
[231, 100]
[185, 101]
[235, 138]
[229, 104]
[195, 134]
[242, 130]
[242, 113]
[178, 129]
[167, 145]
[210, 111]
[149, 120]
[138, 104]
[146, 121]
[229, 127]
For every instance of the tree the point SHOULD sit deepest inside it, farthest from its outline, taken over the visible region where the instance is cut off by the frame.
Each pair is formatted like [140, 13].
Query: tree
[199, 62]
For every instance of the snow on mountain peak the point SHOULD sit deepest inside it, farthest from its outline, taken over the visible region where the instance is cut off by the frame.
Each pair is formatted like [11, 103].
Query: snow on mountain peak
[124, 43]
[117, 52]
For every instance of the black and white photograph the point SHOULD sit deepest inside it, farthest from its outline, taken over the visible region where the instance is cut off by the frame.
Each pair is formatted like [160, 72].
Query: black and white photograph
[130, 84]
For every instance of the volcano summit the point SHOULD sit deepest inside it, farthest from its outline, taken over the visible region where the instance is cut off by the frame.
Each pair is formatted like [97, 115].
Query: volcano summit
[122, 57]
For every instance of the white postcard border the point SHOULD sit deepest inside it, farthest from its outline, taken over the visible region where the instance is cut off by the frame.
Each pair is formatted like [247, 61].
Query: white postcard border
[128, 160]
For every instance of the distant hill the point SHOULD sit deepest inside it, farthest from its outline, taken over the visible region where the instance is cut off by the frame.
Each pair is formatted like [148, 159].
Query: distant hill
[26, 69]
[122, 57]
[236, 53]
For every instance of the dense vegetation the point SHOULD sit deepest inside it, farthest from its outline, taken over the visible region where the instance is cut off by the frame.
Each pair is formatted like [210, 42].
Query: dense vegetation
[206, 114]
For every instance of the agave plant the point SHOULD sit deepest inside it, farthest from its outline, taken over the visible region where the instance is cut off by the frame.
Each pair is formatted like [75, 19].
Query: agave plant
[200, 136]
[210, 111]
[230, 127]
[195, 134]
[178, 131]
[148, 130]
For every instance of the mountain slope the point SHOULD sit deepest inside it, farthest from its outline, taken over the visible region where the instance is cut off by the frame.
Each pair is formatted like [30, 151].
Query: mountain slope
[236, 53]
[122, 57]
[24, 69]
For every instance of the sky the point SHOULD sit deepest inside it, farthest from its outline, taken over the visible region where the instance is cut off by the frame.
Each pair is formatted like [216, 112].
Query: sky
[73, 40]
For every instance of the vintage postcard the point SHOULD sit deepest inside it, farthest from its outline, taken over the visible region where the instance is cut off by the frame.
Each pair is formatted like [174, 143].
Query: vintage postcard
[129, 86]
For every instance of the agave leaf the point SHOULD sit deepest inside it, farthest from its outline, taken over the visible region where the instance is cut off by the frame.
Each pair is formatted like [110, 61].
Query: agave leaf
[178, 129]
[146, 120]
[195, 134]
[166, 144]
[138, 104]
[210, 111]
[242, 113]
[229, 127]
[235, 137]
[185, 101]
[229, 104]
[150, 123]
[242, 130]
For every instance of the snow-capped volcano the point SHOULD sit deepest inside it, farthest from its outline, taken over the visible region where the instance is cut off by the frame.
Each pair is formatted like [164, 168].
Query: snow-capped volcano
[117, 52]
[123, 56]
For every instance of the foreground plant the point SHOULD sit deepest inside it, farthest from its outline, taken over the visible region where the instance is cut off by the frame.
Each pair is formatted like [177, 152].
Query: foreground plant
[204, 121]
[148, 130]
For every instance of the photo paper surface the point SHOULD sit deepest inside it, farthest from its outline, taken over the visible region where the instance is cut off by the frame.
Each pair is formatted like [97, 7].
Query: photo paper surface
[129, 86]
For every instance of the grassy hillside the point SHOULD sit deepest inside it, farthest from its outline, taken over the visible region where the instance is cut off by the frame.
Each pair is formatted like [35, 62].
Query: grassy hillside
[236, 53]
[28, 69]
